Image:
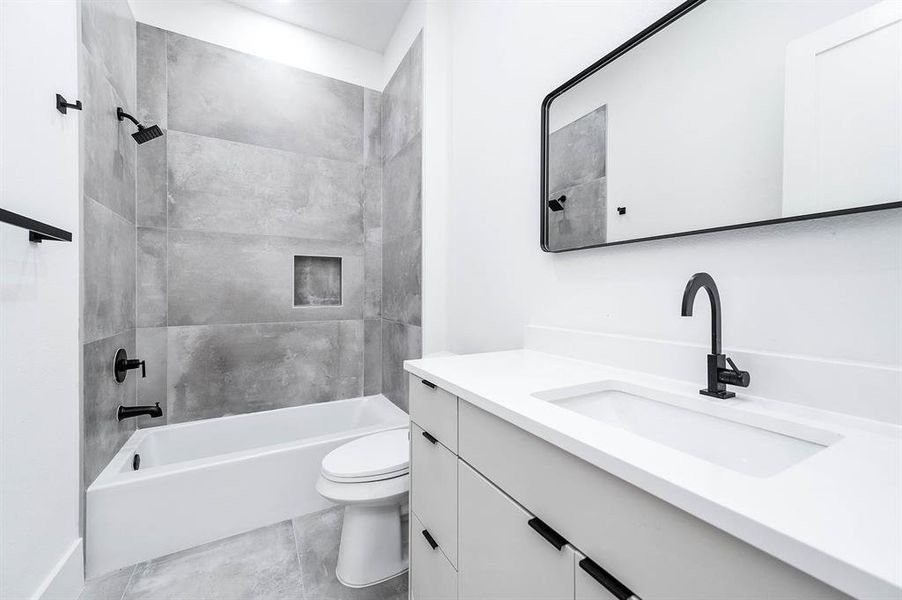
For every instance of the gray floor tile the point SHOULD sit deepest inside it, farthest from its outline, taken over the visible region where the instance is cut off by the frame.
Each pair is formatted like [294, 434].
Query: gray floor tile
[108, 587]
[318, 537]
[259, 565]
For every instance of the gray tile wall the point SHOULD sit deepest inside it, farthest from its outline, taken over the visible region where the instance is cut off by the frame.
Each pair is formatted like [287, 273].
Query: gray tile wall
[260, 163]
[577, 169]
[400, 335]
[107, 73]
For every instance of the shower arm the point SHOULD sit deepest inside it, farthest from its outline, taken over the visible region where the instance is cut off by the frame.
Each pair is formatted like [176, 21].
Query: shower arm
[122, 115]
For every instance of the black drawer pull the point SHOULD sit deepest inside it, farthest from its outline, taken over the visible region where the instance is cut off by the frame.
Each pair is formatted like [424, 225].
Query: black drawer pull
[551, 536]
[430, 437]
[608, 581]
[430, 539]
[428, 384]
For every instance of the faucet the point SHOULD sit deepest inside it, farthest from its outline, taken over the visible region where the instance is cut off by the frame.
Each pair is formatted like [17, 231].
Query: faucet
[130, 412]
[718, 373]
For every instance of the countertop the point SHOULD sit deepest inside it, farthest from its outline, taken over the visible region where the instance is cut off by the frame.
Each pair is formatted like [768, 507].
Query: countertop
[836, 515]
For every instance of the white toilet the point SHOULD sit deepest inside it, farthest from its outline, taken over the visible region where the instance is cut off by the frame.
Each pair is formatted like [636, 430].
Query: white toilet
[370, 477]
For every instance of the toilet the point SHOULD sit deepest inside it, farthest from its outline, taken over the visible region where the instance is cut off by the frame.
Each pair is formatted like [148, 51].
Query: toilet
[370, 477]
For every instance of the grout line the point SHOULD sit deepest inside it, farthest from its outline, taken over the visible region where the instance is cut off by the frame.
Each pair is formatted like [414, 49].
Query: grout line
[128, 583]
[297, 555]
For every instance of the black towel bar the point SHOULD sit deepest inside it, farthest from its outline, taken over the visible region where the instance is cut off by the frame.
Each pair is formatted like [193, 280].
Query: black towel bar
[37, 231]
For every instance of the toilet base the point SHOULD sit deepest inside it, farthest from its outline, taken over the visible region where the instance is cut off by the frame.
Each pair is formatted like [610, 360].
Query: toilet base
[372, 548]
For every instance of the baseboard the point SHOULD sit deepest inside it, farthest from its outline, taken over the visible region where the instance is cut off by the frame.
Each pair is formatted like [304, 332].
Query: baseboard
[66, 579]
[866, 390]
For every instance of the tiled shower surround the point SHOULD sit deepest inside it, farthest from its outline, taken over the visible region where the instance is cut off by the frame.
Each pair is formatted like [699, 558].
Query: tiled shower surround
[106, 65]
[262, 163]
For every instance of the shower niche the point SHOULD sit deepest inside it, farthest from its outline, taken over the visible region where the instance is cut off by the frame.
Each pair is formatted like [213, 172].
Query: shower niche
[317, 281]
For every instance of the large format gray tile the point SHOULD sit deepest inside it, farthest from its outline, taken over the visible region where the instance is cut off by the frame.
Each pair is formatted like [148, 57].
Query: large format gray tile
[151, 348]
[372, 128]
[401, 279]
[584, 219]
[402, 102]
[318, 536]
[399, 343]
[222, 93]
[577, 152]
[150, 303]
[108, 587]
[151, 192]
[372, 357]
[152, 75]
[258, 565]
[109, 272]
[350, 359]
[372, 301]
[103, 434]
[232, 278]
[108, 34]
[402, 192]
[218, 185]
[220, 370]
[109, 150]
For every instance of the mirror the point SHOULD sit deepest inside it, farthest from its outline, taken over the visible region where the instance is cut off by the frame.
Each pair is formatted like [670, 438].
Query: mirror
[727, 114]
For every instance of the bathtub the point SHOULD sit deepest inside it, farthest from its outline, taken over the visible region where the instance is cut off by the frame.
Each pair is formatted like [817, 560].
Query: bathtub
[206, 480]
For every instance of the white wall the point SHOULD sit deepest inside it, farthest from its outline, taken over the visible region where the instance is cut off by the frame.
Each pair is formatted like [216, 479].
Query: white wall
[829, 288]
[40, 548]
[232, 26]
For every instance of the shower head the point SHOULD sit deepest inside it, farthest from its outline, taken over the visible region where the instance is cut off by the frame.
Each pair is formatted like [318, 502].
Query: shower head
[144, 134]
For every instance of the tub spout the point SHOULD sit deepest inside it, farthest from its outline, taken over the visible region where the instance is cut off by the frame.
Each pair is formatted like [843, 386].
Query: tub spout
[130, 412]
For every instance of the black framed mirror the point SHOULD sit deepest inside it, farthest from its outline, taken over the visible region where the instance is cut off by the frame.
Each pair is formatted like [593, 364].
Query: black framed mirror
[726, 114]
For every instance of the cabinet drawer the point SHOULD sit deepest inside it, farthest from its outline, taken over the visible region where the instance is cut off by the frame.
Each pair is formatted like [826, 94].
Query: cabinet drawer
[435, 410]
[502, 557]
[655, 549]
[433, 489]
[431, 575]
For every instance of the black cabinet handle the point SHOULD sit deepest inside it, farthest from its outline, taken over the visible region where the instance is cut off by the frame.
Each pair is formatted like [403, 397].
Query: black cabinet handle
[551, 536]
[432, 439]
[430, 539]
[608, 581]
[428, 384]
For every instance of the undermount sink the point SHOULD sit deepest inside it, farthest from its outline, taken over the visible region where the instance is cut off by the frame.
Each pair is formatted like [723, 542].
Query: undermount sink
[710, 430]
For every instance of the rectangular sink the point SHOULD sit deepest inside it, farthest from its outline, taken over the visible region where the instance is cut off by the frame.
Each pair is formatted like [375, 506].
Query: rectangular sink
[749, 443]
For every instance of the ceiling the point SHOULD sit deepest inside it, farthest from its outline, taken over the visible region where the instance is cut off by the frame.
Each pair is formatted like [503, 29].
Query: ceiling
[365, 23]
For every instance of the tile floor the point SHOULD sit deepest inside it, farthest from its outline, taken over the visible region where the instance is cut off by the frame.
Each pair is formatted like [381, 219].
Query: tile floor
[291, 560]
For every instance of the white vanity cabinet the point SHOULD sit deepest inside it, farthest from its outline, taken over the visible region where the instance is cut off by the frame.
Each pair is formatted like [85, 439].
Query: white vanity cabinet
[517, 517]
[502, 556]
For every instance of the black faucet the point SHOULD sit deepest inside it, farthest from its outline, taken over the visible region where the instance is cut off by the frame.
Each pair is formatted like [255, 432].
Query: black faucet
[718, 373]
[130, 412]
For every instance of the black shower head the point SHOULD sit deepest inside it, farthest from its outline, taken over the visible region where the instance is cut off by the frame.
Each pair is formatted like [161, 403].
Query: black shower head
[144, 134]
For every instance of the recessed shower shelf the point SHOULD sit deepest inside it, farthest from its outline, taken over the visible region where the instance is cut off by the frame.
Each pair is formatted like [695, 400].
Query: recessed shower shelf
[37, 231]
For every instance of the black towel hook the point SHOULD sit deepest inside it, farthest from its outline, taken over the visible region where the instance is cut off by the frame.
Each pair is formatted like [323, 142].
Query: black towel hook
[63, 105]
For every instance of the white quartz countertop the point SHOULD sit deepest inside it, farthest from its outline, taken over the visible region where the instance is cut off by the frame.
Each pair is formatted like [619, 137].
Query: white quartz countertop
[836, 515]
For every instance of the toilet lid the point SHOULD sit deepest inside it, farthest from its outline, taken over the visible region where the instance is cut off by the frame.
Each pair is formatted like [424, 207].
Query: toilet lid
[372, 457]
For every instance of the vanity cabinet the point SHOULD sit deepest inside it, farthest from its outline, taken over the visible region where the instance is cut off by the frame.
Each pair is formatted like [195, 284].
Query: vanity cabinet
[502, 556]
[511, 516]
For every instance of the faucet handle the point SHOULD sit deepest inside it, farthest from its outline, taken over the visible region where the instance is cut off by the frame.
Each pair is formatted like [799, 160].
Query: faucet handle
[735, 376]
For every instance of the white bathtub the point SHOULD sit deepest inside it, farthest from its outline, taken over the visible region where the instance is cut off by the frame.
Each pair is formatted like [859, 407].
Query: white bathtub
[206, 480]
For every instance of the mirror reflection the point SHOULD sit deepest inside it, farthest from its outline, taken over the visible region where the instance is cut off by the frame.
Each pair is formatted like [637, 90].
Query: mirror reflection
[737, 112]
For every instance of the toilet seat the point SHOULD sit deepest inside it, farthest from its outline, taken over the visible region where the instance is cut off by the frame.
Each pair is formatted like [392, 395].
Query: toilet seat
[376, 457]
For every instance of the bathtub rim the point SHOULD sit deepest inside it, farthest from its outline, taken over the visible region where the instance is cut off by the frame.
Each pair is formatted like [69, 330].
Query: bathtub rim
[114, 474]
